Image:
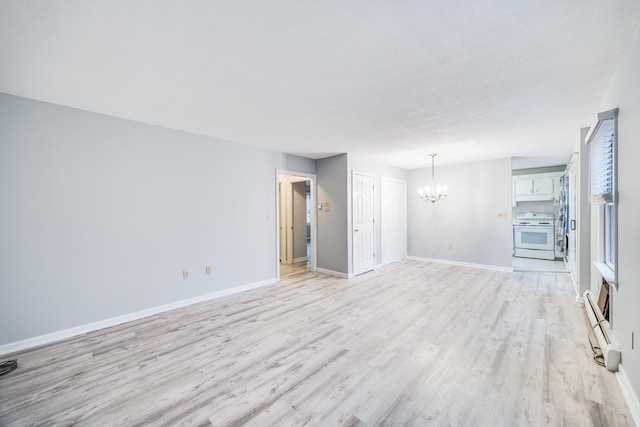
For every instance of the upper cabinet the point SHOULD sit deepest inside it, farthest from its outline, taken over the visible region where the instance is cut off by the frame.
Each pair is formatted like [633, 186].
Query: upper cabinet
[530, 188]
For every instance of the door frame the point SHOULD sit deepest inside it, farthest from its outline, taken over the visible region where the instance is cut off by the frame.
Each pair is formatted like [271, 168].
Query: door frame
[313, 226]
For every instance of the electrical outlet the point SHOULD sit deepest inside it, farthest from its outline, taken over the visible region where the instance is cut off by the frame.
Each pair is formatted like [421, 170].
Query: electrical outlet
[450, 246]
[502, 215]
[207, 269]
[185, 274]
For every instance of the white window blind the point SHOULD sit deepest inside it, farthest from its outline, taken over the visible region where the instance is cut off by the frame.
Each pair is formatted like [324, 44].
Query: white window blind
[602, 158]
[602, 191]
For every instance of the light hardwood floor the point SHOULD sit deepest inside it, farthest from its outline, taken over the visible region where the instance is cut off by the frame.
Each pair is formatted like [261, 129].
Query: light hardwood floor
[413, 343]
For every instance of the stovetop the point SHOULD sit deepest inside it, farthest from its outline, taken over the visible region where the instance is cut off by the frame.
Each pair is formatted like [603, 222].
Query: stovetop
[534, 218]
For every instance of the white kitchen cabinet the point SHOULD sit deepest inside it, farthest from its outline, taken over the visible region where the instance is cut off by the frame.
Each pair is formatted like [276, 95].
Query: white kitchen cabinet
[531, 188]
[523, 187]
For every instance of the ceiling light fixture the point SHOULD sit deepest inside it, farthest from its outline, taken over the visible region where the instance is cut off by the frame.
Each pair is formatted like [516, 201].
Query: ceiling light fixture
[434, 193]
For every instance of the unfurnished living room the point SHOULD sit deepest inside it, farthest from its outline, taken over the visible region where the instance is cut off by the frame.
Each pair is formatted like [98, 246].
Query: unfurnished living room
[320, 213]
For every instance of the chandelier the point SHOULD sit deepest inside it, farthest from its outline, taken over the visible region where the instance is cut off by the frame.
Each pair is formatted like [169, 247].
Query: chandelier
[434, 193]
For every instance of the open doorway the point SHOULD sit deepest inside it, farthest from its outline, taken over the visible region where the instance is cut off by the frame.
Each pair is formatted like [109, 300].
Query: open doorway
[296, 222]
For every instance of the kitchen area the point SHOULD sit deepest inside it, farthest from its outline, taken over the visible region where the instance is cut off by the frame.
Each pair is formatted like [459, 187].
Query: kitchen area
[540, 218]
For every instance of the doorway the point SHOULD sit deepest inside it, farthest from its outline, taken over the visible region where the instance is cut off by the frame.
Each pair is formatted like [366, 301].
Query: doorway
[295, 222]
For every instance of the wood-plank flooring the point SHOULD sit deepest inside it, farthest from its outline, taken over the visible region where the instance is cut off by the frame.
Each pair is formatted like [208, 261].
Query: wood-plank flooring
[413, 344]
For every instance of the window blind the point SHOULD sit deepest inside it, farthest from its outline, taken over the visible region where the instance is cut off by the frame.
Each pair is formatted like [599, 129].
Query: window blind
[602, 158]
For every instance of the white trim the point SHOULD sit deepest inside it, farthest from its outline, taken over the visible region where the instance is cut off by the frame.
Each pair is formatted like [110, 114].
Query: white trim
[606, 272]
[106, 323]
[573, 280]
[335, 273]
[303, 258]
[462, 264]
[629, 396]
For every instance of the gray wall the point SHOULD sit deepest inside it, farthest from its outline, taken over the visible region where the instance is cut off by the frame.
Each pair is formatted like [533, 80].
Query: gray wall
[467, 219]
[332, 226]
[99, 216]
[624, 93]
[299, 199]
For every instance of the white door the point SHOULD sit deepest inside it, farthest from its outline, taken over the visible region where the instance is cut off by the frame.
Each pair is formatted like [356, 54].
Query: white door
[362, 219]
[393, 216]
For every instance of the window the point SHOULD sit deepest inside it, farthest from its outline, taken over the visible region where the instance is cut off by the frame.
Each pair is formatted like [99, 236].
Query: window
[603, 190]
[610, 235]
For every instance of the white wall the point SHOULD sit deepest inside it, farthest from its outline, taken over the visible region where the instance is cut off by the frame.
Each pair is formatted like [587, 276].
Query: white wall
[467, 219]
[99, 216]
[624, 93]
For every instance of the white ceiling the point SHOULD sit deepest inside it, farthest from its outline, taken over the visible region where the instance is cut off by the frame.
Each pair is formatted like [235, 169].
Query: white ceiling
[391, 81]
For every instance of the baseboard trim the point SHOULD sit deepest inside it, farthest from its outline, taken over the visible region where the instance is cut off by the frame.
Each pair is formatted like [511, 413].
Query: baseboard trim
[629, 396]
[335, 273]
[304, 258]
[461, 264]
[114, 321]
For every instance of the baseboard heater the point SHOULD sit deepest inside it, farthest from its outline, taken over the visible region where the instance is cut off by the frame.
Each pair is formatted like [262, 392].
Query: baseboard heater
[600, 326]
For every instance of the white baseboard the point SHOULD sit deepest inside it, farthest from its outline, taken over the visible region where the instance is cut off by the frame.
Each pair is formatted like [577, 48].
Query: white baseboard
[629, 396]
[335, 273]
[304, 258]
[462, 264]
[91, 327]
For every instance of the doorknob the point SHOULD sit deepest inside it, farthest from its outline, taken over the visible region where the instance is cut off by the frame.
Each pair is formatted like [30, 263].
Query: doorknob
[356, 230]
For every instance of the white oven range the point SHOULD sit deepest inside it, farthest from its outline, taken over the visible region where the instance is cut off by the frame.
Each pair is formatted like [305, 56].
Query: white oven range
[533, 235]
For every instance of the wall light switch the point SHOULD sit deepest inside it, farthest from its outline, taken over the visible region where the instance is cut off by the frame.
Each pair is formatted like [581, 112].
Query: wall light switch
[185, 274]
[207, 269]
